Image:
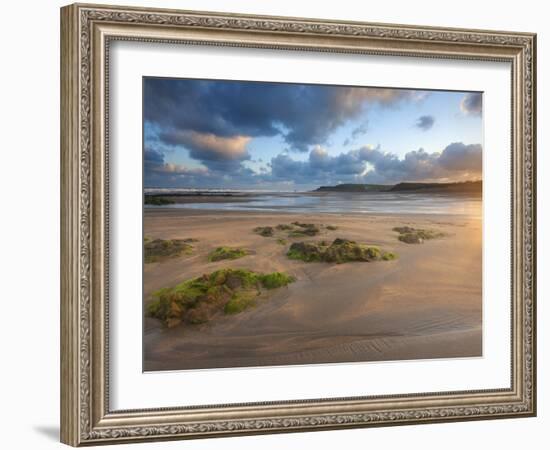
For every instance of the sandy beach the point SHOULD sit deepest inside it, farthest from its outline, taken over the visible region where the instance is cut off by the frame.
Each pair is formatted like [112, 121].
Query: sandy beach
[425, 304]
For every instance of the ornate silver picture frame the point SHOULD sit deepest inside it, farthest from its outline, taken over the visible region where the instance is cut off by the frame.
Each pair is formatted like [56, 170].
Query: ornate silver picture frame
[87, 32]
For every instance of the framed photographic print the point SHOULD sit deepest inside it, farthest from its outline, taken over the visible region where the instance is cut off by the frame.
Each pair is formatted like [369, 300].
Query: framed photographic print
[275, 224]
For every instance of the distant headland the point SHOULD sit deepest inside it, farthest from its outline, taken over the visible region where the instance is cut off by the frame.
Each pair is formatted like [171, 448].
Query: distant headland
[468, 187]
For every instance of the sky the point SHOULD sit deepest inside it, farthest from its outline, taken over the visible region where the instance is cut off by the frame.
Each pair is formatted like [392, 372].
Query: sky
[281, 136]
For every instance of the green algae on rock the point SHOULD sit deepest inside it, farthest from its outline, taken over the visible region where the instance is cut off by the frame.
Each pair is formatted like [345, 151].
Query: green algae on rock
[389, 256]
[264, 231]
[160, 249]
[410, 235]
[293, 230]
[227, 253]
[339, 251]
[284, 227]
[304, 229]
[228, 291]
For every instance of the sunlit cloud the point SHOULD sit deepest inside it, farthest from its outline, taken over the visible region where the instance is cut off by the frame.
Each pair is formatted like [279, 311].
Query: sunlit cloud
[457, 161]
[208, 146]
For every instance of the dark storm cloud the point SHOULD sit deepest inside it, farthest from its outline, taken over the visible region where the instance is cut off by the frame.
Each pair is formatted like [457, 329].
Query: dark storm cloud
[472, 103]
[304, 115]
[425, 122]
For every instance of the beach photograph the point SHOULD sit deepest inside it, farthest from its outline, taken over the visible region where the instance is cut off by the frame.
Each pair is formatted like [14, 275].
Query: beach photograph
[288, 223]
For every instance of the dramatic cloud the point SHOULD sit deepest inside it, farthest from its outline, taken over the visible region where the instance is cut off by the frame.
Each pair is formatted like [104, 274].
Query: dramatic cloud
[366, 164]
[155, 164]
[458, 156]
[206, 133]
[158, 173]
[457, 161]
[472, 104]
[208, 146]
[425, 122]
[304, 115]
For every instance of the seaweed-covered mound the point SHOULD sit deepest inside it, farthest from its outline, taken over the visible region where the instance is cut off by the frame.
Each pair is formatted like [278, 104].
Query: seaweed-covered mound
[197, 300]
[264, 231]
[339, 251]
[161, 249]
[293, 230]
[304, 229]
[227, 253]
[410, 235]
[284, 227]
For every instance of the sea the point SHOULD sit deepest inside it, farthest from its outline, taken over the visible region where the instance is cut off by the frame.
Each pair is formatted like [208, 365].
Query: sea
[325, 202]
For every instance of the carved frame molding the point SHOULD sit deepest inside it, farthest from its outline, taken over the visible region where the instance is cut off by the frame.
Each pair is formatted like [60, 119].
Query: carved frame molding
[86, 32]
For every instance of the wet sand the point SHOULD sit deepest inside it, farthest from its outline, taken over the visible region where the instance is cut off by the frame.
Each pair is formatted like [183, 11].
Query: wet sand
[425, 304]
